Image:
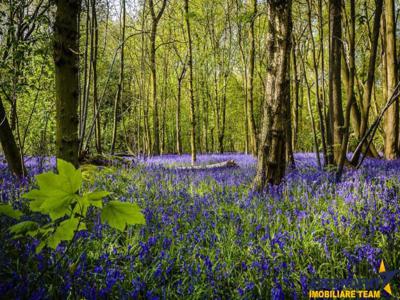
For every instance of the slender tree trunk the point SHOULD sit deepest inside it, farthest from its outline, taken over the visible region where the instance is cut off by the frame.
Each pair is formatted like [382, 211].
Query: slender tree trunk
[251, 119]
[66, 59]
[320, 104]
[85, 72]
[191, 92]
[95, 90]
[12, 154]
[153, 68]
[121, 77]
[314, 130]
[271, 162]
[178, 118]
[391, 120]
[296, 107]
[366, 103]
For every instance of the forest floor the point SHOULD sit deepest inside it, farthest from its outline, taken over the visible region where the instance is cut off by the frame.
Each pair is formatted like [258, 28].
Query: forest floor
[208, 235]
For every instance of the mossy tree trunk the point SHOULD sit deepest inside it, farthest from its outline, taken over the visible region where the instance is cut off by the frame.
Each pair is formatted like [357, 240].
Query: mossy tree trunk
[271, 162]
[336, 118]
[391, 121]
[66, 59]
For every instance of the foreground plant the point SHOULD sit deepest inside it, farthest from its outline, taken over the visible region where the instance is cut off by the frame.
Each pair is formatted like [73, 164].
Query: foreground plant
[59, 197]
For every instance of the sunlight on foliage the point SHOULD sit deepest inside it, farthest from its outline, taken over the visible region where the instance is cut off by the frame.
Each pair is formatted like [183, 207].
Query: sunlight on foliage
[58, 197]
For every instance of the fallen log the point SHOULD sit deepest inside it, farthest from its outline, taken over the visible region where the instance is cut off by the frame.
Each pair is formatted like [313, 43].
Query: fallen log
[105, 160]
[224, 164]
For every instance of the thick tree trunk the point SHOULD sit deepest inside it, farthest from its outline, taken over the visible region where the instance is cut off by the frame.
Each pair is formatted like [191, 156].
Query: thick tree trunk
[391, 120]
[66, 59]
[271, 162]
[336, 119]
[12, 154]
[350, 89]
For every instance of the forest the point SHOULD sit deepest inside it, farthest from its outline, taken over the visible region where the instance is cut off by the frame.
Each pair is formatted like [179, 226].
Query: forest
[199, 149]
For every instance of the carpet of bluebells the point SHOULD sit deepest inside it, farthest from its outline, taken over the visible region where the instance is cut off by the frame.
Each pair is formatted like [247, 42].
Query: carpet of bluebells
[208, 235]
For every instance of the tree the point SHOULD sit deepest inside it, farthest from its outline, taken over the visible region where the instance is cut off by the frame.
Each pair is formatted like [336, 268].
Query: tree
[192, 100]
[12, 154]
[153, 67]
[121, 77]
[391, 120]
[66, 59]
[271, 163]
[336, 119]
[250, 103]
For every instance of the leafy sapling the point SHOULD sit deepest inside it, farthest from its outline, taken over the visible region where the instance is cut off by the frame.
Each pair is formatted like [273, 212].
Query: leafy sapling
[59, 197]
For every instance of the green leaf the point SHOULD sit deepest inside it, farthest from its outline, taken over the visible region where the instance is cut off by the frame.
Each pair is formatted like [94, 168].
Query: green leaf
[82, 205]
[95, 198]
[119, 214]
[73, 176]
[56, 192]
[23, 227]
[9, 211]
[65, 232]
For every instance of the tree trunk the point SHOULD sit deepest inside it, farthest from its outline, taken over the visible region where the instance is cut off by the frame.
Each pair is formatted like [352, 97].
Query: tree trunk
[66, 59]
[95, 90]
[271, 162]
[191, 92]
[12, 154]
[153, 67]
[350, 89]
[178, 119]
[320, 103]
[314, 131]
[366, 103]
[87, 76]
[121, 78]
[296, 107]
[336, 119]
[251, 119]
[391, 120]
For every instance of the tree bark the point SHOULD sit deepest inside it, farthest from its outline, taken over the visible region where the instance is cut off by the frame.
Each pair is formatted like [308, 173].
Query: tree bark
[320, 104]
[251, 119]
[153, 68]
[271, 163]
[191, 92]
[350, 89]
[95, 89]
[12, 154]
[366, 103]
[314, 131]
[336, 119]
[121, 78]
[391, 120]
[66, 59]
